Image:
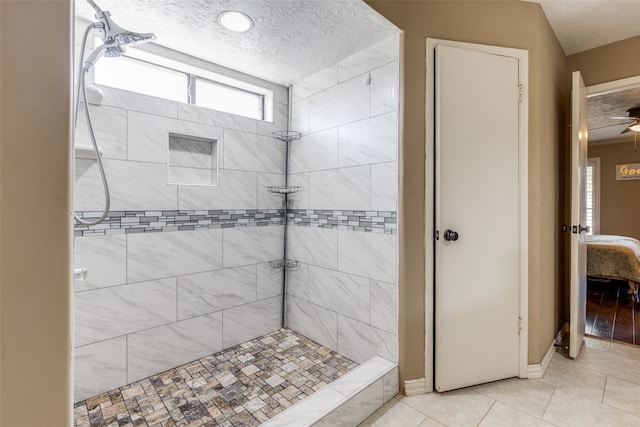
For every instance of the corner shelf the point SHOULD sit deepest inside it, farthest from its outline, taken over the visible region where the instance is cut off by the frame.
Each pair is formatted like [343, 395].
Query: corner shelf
[286, 135]
[283, 189]
[286, 263]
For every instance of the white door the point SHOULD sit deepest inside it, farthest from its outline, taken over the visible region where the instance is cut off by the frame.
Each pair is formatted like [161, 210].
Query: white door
[477, 197]
[578, 298]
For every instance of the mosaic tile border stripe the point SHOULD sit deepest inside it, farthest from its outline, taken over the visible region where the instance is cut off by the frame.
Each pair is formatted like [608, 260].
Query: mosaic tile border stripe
[121, 222]
[126, 222]
[383, 222]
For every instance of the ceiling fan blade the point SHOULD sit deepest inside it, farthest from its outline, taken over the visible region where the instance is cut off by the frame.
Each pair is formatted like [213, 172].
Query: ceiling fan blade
[625, 131]
[621, 118]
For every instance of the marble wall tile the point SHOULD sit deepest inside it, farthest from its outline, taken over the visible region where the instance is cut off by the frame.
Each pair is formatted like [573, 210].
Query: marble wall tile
[269, 281]
[299, 200]
[315, 83]
[384, 306]
[99, 367]
[149, 135]
[105, 313]
[316, 151]
[280, 120]
[384, 187]
[384, 89]
[251, 152]
[154, 255]
[345, 188]
[109, 127]
[360, 342]
[317, 323]
[300, 116]
[391, 385]
[235, 190]
[267, 199]
[298, 281]
[165, 347]
[133, 186]
[316, 246]
[340, 292]
[252, 245]
[252, 320]
[373, 140]
[339, 105]
[193, 113]
[138, 102]
[370, 58]
[211, 291]
[190, 176]
[356, 409]
[191, 153]
[366, 373]
[368, 254]
[105, 258]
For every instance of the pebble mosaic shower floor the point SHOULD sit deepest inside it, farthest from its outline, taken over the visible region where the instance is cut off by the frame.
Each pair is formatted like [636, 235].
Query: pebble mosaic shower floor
[242, 386]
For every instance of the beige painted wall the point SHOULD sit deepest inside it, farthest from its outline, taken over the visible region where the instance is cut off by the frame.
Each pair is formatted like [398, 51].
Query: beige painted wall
[510, 24]
[619, 201]
[35, 311]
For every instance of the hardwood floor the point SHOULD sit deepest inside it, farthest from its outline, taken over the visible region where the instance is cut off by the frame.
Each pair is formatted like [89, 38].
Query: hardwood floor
[611, 312]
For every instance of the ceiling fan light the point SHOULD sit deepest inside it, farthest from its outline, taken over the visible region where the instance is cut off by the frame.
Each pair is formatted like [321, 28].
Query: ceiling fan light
[635, 126]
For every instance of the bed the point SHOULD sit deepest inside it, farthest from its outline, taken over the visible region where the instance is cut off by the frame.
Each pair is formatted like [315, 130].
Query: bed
[614, 257]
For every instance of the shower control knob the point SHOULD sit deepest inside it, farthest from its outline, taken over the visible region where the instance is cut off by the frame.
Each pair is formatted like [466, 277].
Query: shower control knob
[450, 236]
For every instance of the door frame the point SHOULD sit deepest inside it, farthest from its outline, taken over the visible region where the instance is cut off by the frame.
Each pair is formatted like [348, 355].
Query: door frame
[429, 240]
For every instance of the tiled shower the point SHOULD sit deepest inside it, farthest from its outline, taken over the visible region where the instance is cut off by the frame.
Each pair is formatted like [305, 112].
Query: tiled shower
[180, 269]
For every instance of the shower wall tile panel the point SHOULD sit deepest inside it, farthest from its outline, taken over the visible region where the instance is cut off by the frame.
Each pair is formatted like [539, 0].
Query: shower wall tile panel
[352, 193]
[269, 281]
[212, 291]
[368, 254]
[240, 152]
[340, 292]
[315, 151]
[106, 313]
[315, 246]
[344, 188]
[110, 129]
[157, 255]
[360, 341]
[100, 366]
[373, 140]
[156, 291]
[318, 323]
[252, 320]
[251, 245]
[105, 258]
[158, 349]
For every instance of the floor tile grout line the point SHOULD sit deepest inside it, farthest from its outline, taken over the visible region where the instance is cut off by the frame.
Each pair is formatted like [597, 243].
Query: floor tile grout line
[486, 413]
[549, 403]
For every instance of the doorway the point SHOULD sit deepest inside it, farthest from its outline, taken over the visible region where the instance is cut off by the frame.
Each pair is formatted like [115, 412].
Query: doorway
[483, 275]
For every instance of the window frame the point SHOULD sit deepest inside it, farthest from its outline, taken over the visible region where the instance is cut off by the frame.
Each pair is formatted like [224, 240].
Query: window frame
[594, 163]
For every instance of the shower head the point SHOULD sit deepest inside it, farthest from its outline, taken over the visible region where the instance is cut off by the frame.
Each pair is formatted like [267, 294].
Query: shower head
[114, 38]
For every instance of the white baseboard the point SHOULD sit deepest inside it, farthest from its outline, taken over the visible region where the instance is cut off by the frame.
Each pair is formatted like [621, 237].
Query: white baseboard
[537, 370]
[415, 387]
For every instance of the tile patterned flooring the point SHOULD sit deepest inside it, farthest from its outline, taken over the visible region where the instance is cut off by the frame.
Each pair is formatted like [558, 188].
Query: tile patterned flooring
[241, 386]
[600, 388]
[611, 311]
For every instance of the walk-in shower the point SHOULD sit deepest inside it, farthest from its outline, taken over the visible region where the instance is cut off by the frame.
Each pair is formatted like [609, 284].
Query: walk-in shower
[115, 39]
[179, 320]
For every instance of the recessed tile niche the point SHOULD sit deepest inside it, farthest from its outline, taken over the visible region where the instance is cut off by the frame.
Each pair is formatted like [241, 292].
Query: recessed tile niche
[192, 160]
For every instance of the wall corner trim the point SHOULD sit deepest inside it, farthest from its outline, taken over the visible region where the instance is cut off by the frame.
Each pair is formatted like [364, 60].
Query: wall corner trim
[537, 370]
[415, 387]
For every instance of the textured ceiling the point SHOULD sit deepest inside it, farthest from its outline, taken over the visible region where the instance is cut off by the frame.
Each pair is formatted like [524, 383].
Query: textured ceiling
[601, 108]
[291, 39]
[585, 24]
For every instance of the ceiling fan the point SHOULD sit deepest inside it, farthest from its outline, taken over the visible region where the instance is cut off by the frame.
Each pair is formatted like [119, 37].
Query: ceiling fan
[632, 118]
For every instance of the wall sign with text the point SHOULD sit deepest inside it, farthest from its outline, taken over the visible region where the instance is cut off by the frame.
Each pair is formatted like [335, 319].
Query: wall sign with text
[627, 171]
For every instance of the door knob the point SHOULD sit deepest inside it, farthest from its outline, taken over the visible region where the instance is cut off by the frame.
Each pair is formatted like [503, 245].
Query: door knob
[450, 235]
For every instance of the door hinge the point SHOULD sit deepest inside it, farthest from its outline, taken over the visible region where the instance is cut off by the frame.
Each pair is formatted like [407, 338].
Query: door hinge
[519, 325]
[520, 93]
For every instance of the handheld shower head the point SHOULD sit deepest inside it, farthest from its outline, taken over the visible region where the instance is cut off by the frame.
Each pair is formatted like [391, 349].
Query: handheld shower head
[114, 38]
